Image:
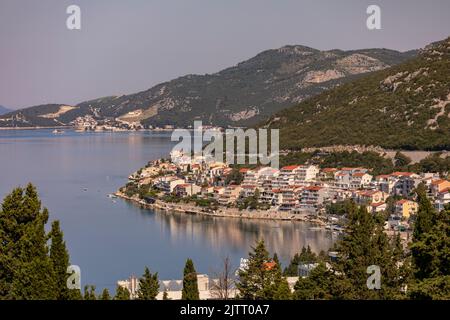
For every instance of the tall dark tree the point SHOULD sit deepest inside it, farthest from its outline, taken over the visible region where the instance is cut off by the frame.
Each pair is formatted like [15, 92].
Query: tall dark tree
[426, 215]
[60, 261]
[148, 286]
[430, 251]
[26, 270]
[190, 285]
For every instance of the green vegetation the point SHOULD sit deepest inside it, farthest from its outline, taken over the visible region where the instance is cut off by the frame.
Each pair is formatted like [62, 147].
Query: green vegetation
[148, 286]
[395, 108]
[305, 256]
[190, 285]
[122, 294]
[262, 278]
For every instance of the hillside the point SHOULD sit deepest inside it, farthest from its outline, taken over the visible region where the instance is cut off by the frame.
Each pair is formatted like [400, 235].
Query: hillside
[406, 107]
[4, 110]
[238, 96]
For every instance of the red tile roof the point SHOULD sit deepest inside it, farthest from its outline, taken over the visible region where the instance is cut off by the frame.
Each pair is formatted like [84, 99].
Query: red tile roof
[289, 168]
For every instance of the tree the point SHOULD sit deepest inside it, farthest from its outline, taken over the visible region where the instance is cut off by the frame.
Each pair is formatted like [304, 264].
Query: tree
[148, 286]
[122, 293]
[60, 261]
[105, 295]
[190, 285]
[401, 160]
[317, 286]
[89, 293]
[165, 295]
[426, 215]
[260, 279]
[430, 252]
[223, 284]
[26, 270]
[305, 256]
[364, 244]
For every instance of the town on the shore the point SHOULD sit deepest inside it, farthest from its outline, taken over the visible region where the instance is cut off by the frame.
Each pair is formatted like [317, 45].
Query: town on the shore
[193, 184]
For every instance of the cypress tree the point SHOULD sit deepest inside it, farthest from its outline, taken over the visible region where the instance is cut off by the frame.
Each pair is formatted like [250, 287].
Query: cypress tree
[148, 286]
[60, 261]
[190, 285]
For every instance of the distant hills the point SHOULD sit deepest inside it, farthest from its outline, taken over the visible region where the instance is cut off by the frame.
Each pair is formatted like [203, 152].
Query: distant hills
[242, 95]
[4, 110]
[406, 106]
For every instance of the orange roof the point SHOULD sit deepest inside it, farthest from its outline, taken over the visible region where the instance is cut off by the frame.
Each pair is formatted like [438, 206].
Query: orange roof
[402, 201]
[244, 170]
[359, 174]
[329, 169]
[290, 168]
[377, 204]
[270, 265]
[437, 182]
[383, 176]
[313, 188]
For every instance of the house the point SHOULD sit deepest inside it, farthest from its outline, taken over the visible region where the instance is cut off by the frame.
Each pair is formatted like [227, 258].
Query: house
[405, 208]
[230, 195]
[168, 183]
[187, 189]
[360, 180]
[306, 173]
[442, 199]
[405, 183]
[377, 207]
[367, 197]
[313, 197]
[437, 186]
[327, 173]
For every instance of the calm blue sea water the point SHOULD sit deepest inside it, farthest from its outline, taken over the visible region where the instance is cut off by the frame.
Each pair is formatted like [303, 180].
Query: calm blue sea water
[112, 239]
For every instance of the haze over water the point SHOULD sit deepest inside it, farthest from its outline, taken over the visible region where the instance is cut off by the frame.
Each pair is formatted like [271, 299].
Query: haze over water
[110, 239]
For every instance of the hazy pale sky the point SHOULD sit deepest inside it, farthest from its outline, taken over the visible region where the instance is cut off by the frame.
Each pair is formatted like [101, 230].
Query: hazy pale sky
[130, 45]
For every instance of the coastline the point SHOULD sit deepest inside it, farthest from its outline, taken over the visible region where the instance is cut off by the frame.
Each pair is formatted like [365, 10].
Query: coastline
[224, 212]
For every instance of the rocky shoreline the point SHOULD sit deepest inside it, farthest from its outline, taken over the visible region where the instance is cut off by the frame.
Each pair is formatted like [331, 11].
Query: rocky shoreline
[224, 212]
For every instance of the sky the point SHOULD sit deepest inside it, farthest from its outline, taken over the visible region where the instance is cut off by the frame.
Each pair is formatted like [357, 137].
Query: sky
[131, 45]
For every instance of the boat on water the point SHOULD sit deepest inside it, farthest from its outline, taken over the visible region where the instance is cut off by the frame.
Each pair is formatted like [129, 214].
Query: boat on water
[57, 131]
[112, 196]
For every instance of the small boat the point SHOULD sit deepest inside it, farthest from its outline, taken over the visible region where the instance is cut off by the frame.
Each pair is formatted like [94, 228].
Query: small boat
[112, 196]
[57, 131]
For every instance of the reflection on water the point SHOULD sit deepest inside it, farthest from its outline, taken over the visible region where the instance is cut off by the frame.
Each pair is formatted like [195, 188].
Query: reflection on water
[283, 237]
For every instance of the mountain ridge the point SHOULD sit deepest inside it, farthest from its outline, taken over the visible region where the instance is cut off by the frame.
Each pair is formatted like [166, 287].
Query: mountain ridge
[404, 107]
[240, 95]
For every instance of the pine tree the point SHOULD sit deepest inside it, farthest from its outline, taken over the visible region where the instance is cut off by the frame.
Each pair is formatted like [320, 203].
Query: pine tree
[105, 295]
[25, 267]
[148, 286]
[89, 293]
[431, 259]
[260, 279]
[317, 286]
[122, 293]
[364, 244]
[190, 285]
[60, 261]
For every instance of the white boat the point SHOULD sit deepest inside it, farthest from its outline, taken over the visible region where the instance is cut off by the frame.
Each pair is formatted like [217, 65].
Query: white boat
[57, 131]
